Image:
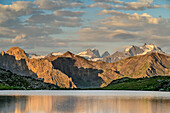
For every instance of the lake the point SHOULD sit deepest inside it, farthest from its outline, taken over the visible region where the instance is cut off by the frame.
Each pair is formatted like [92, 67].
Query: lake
[84, 101]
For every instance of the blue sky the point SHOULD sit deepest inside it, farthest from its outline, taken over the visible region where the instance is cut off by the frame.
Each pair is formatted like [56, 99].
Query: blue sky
[44, 26]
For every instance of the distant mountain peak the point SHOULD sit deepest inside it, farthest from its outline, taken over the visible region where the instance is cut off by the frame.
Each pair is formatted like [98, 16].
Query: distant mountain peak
[96, 52]
[133, 50]
[150, 48]
[90, 54]
[68, 54]
[144, 49]
[105, 54]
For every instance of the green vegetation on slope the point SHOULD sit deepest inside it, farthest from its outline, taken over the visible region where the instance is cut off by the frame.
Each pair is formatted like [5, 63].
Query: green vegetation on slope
[156, 83]
[6, 87]
[12, 81]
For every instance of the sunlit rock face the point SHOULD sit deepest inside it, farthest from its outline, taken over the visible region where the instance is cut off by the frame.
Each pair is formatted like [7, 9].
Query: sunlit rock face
[17, 52]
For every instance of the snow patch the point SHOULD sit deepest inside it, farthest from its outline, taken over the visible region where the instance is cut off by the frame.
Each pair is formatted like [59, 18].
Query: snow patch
[37, 57]
[57, 54]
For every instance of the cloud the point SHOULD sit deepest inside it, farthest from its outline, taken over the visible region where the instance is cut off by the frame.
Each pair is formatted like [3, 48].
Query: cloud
[33, 31]
[101, 5]
[45, 23]
[68, 13]
[113, 4]
[71, 23]
[7, 32]
[110, 1]
[126, 27]
[17, 9]
[70, 20]
[19, 38]
[25, 23]
[103, 34]
[140, 5]
[126, 19]
[167, 6]
[56, 4]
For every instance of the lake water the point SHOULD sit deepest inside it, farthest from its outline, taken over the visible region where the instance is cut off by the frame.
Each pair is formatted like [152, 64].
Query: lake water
[84, 102]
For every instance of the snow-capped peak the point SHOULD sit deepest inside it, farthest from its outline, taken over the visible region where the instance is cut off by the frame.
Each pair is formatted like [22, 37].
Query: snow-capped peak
[150, 48]
[145, 49]
[128, 48]
[82, 53]
[90, 54]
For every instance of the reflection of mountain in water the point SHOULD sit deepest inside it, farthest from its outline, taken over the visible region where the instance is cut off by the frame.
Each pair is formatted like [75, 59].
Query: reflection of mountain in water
[83, 104]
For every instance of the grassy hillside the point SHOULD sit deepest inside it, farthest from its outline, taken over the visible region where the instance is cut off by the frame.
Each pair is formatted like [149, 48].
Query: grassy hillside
[159, 83]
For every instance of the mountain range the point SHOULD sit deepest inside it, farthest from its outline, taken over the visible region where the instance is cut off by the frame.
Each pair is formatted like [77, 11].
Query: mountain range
[94, 55]
[133, 50]
[68, 70]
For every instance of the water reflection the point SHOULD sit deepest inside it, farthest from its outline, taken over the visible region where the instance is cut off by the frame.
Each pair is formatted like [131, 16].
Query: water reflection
[83, 104]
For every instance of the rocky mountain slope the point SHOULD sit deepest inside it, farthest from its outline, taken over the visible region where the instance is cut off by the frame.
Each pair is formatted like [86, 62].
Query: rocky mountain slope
[71, 71]
[152, 64]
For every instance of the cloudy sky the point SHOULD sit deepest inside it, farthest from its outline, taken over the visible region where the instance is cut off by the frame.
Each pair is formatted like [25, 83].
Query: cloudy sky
[44, 26]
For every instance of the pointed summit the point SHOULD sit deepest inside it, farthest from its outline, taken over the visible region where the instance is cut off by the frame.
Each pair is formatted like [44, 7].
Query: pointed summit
[17, 52]
[133, 50]
[144, 45]
[68, 54]
[105, 54]
[96, 52]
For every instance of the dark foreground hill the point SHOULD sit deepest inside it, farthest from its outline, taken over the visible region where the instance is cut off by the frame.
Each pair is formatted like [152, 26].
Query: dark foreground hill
[9, 80]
